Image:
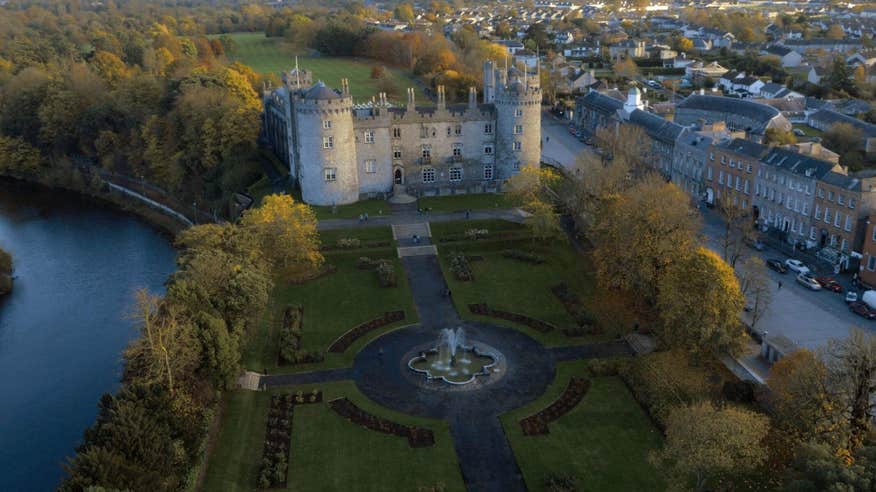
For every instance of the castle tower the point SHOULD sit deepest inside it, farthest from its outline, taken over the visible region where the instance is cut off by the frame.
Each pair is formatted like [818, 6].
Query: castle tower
[518, 122]
[327, 146]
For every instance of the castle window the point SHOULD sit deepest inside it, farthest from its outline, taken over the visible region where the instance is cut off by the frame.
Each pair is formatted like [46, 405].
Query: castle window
[457, 150]
[428, 175]
[328, 142]
[517, 166]
[518, 113]
[427, 151]
[448, 130]
[518, 146]
[396, 152]
[396, 133]
[457, 129]
[488, 128]
[488, 171]
[330, 174]
[370, 166]
[488, 149]
[369, 136]
[455, 174]
[424, 132]
[518, 129]
[326, 124]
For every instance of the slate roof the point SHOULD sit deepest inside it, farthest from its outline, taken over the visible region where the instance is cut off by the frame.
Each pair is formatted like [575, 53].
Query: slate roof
[744, 147]
[778, 50]
[756, 111]
[841, 181]
[799, 164]
[655, 126]
[601, 102]
[829, 117]
[320, 91]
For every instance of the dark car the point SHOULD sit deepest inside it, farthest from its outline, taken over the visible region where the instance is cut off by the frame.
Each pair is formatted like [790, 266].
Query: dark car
[862, 309]
[754, 243]
[777, 265]
[830, 284]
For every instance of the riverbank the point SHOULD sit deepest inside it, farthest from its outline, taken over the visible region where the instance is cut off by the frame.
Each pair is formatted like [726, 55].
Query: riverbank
[99, 193]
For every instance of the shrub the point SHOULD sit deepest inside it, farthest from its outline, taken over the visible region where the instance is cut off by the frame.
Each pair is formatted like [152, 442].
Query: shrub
[605, 367]
[348, 243]
[474, 234]
[525, 256]
[460, 267]
[386, 274]
[365, 263]
[560, 483]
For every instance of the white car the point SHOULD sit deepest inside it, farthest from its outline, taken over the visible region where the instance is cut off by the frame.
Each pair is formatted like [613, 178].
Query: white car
[806, 280]
[851, 296]
[796, 266]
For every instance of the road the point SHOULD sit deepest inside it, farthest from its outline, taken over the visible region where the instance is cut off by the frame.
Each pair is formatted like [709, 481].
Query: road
[807, 318]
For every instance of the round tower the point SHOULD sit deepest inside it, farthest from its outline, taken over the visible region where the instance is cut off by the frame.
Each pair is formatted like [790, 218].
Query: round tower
[327, 146]
[518, 123]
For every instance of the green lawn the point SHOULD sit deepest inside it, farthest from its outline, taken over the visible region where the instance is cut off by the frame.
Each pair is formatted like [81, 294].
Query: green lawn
[271, 55]
[455, 203]
[512, 285]
[808, 130]
[374, 208]
[234, 462]
[328, 452]
[603, 442]
[364, 234]
[332, 305]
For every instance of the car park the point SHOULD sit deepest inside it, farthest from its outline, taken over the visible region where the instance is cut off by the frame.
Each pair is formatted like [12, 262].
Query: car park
[796, 266]
[830, 284]
[776, 265]
[862, 309]
[808, 281]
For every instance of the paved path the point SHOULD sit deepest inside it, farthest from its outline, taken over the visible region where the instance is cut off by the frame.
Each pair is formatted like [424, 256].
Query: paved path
[485, 457]
[434, 308]
[617, 348]
[326, 376]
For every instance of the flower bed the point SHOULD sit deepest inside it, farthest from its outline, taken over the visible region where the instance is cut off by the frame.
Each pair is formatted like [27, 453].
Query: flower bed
[290, 339]
[538, 424]
[524, 256]
[353, 243]
[536, 324]
[418, 437]
[586, 324]
[459, 265]
[275, 454]
[344, 341]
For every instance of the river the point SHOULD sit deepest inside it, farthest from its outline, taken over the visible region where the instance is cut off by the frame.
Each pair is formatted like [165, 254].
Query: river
[65, 325]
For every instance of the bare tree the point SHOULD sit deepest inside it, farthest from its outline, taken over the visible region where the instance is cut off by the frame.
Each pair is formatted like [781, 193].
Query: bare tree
[737, 227]
[852, 364]
[755, 283]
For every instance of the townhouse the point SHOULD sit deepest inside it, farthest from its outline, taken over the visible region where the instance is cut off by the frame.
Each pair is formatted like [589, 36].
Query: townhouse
[731, 172]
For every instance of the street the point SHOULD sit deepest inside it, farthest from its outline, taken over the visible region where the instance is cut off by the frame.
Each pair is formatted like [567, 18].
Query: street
[807, 318]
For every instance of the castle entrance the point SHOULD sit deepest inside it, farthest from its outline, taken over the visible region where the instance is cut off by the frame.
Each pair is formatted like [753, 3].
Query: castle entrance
[398, 176]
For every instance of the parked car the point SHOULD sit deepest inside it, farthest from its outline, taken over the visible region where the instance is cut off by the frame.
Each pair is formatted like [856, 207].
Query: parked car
[776, 265]
[799, 132]
[808, 281]
[754, 243]
[796, 266]
[851, 296]
[862, 309]
[573, 130]
[830, 284]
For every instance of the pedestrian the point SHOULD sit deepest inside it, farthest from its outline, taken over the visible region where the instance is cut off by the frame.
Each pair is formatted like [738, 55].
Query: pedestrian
[780, 285]
[366, 216]
[449, 294]
[467, 214]
[360, 218]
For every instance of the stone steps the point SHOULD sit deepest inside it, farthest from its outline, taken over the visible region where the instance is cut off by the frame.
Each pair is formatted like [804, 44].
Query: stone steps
[427, 250]
[407, 231]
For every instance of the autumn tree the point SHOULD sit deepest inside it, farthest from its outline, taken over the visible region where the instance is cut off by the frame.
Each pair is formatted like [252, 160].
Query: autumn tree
[776, 136]
[708, 320]
[756, 285]
[602, 181]
[639, 234]
[852, 365]
[802, 400]
[738, 227]
[404, 12]
[287, 233]
[835, 31]
[18, 158]
[626, 67]
[705, 444]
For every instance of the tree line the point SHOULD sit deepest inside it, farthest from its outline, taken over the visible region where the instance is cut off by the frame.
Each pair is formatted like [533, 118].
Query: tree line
[150, 434]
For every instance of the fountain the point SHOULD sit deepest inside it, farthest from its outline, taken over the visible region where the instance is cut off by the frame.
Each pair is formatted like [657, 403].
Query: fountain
[451, 360]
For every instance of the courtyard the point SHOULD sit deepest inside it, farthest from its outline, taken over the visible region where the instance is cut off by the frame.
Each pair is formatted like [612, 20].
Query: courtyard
[357, 416]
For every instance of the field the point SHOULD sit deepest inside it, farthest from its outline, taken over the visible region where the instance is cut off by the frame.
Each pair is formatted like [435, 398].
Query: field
[270, 55]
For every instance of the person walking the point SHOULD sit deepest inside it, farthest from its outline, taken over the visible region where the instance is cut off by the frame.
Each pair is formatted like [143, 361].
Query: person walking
[366, 216]
[780, 285]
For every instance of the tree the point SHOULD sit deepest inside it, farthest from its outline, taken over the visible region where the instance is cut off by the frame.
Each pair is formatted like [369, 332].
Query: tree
[537, 35]
[602, 182]
[776, 136]
[709, 320]
[839, 78]
[684, 44]
[843, 138]
[639, 234]
[18, 158]
[819, 467]
[404, 12]
[626, 67]
[544, 221]
[852, 365]
[738, 227]
[835, 31]
[756, 285]
[287, 233]
[704, 444]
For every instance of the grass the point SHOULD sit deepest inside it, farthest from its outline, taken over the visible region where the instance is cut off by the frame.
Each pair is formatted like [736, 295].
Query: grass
[808, 130]
[512, 285]
[603, 442]
[455, 203]
[374, 208]
[271, 55]
[234, 463]
[363, 234]
[328, 452]
[332, 305]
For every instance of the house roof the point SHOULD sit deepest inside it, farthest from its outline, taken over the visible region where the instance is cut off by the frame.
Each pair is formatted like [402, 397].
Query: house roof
[800, 164]
[742, 107]
[744, 147]
[829, 117]
[656, 126]
[843, 181]
[778, 50]
[600, 102]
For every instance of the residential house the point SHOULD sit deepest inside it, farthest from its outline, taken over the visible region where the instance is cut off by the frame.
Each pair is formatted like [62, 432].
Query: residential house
[825, 118]
[833, 45]
[841, 201]
[582, 81]
[730, 171]
[691, 154]
[634, 48]
[700, 72]
[511, 45]
[788, 56]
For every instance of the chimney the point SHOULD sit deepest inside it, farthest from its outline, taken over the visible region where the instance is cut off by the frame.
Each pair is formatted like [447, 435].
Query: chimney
[472, 98]
[441, 103]
[345, 87]
[411, 107]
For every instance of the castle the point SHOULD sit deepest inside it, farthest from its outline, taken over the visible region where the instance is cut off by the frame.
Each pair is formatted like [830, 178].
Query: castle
[339, 152]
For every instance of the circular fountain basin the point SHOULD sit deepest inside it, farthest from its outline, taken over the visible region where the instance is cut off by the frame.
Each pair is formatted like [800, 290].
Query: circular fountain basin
[461, 368]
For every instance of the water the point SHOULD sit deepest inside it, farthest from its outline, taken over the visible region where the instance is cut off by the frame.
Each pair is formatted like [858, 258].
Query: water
[63, 328]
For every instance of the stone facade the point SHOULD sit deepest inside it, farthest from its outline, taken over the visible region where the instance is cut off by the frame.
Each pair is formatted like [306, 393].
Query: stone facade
[339, 152]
